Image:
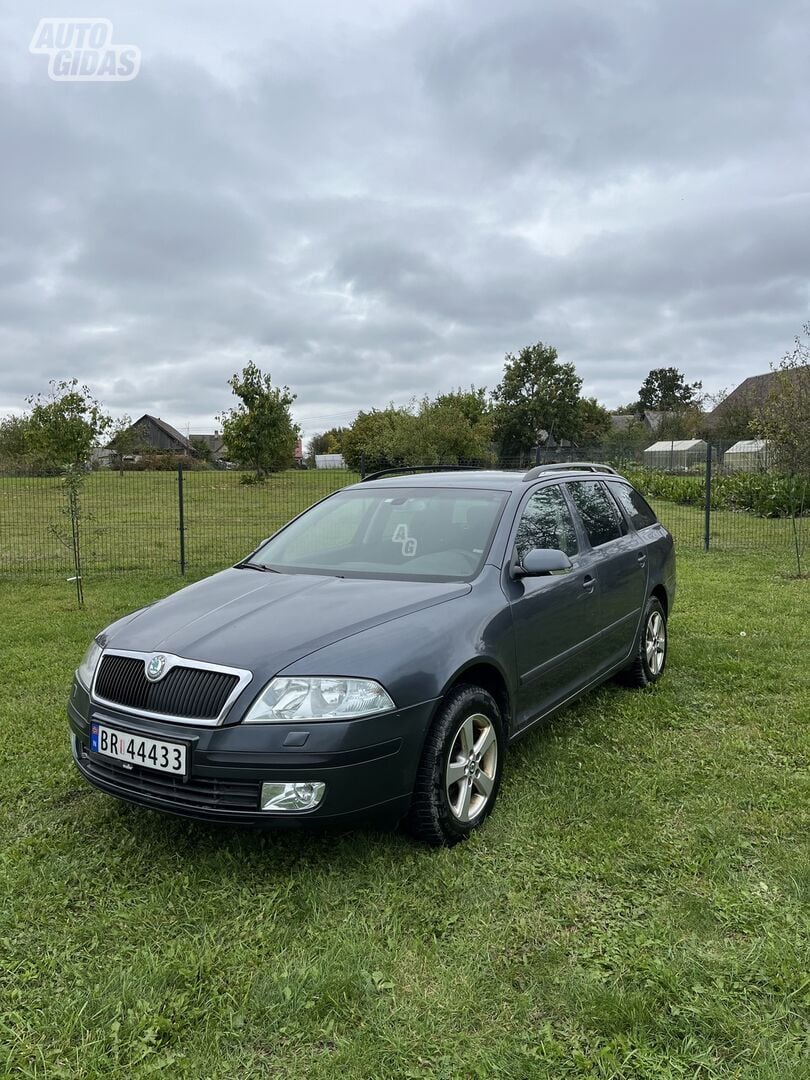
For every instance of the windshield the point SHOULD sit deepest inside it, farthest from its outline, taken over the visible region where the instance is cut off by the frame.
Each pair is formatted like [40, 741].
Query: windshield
[422, 533]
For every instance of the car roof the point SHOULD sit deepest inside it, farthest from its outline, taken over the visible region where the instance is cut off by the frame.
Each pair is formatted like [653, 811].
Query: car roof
[498, 479]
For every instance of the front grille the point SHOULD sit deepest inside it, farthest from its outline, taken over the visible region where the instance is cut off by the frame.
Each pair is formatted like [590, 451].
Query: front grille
[188, 692]
[199, 793]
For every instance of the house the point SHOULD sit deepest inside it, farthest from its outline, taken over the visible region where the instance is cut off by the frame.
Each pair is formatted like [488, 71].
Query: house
[744, 401]
[675, 455]
[215, 444]
[649, 419]
[155, 434]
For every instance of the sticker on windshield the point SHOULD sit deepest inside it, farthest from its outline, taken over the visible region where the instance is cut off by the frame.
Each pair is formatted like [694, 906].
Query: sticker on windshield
[401, 537]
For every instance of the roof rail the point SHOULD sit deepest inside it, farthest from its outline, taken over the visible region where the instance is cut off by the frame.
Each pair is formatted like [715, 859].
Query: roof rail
[402, 470]
[573, 466]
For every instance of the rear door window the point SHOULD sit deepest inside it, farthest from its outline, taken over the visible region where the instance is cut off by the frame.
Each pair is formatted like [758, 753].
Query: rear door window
[634, 505]
[599, 513]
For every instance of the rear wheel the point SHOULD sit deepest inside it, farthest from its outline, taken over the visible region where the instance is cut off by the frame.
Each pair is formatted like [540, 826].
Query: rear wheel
[460, 772]
[650, 657]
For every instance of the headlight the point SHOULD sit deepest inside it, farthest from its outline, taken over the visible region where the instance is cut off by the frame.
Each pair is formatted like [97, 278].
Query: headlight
[318, 698]
[87, 668]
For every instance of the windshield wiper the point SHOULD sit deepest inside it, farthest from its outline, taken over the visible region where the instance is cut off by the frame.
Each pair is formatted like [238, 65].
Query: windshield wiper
[256, 566]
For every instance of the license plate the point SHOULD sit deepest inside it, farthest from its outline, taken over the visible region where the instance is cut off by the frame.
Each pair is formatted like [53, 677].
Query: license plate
[138, 750]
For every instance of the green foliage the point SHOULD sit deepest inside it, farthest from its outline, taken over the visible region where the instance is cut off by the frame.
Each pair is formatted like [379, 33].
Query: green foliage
[666, 390]
[764, 494]
[785, 418]
[384, 437]
[125, 441]
[593, 422]
[164, 461]
[537, 393]
[16, 449]
[454, 427]
[683, 423]
[628, 442]
[65, 424]
[734, 420]
[259, 432]
[449, 429]
[202, 450]
[329, 442]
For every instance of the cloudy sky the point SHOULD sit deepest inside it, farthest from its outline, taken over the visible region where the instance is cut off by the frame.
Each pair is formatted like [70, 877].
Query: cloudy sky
[375, 199]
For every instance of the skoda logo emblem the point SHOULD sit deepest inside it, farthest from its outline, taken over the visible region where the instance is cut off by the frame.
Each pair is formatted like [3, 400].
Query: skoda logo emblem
[156, 667]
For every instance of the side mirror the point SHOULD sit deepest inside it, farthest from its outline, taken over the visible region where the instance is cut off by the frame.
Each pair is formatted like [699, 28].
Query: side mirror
[540, 561]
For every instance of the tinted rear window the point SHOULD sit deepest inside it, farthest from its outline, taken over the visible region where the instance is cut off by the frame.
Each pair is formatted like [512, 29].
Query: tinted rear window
[634, 505]
[598, 511]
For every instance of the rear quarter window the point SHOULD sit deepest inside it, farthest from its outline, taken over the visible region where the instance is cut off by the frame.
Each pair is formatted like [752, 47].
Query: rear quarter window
[634, 505]
[598, 512]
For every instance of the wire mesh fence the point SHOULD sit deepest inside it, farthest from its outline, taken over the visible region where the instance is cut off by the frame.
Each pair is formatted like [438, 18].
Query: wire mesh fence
[200, 520]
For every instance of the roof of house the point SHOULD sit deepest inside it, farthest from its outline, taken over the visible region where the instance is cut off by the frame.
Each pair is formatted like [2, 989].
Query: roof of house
[173, 433]
[214, 441]
[751, 392]
[652, 417]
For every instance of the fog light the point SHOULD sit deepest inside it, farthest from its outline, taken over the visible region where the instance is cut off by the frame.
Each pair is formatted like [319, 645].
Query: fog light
[296, 796]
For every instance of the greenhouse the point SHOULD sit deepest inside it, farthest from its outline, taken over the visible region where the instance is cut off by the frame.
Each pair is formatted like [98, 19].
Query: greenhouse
[675, 455]
[749, 455]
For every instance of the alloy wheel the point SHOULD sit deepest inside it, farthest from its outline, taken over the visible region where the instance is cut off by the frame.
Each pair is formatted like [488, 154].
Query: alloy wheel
[471, 767]
[655, 642]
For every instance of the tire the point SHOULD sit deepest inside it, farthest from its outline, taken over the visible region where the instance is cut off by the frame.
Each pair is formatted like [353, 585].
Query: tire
[650, 659]
[455, 789]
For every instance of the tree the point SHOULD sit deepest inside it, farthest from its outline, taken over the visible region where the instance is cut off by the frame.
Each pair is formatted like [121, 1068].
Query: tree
[684, 423]
[454, 427]
[382, 438]
[125, 441]
[728, 420]
[666, 390]
[15, 451]
[202, 450]
[536, 394]
[259, 432]
[329, 442]
[65, 424]
[784, 419]
[451, 428]
[785, 422]
[594, 423]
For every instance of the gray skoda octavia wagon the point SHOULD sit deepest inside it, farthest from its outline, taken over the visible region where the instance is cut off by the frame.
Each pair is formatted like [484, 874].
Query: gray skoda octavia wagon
[379, 653]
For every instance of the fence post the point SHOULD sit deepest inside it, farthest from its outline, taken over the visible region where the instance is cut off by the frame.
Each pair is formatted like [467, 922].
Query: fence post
[362, 466]
[181, 517]
[707, 507]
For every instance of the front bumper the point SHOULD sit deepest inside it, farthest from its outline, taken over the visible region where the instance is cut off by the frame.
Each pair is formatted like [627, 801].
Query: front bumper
[368, 765]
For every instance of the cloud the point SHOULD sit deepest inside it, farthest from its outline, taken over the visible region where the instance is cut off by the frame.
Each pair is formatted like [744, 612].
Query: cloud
[379, 201]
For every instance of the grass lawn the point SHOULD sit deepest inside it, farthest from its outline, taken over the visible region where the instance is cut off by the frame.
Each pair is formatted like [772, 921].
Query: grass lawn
[636, 907]
[130, 522]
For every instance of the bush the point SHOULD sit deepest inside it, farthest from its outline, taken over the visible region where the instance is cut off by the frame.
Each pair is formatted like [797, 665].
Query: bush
[158, 462]
[763, 494]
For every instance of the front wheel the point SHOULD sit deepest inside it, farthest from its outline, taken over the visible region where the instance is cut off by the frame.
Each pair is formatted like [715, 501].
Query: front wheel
[649, 661]
[460, 772]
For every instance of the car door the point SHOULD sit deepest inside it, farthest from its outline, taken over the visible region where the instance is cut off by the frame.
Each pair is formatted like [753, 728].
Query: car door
[620, 565]
[554, 616]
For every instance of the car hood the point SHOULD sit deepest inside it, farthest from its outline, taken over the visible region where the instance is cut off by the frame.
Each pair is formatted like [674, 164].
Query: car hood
[265, 621]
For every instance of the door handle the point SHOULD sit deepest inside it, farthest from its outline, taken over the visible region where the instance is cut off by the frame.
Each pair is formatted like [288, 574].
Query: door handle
[642, 557]
[588, 583]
